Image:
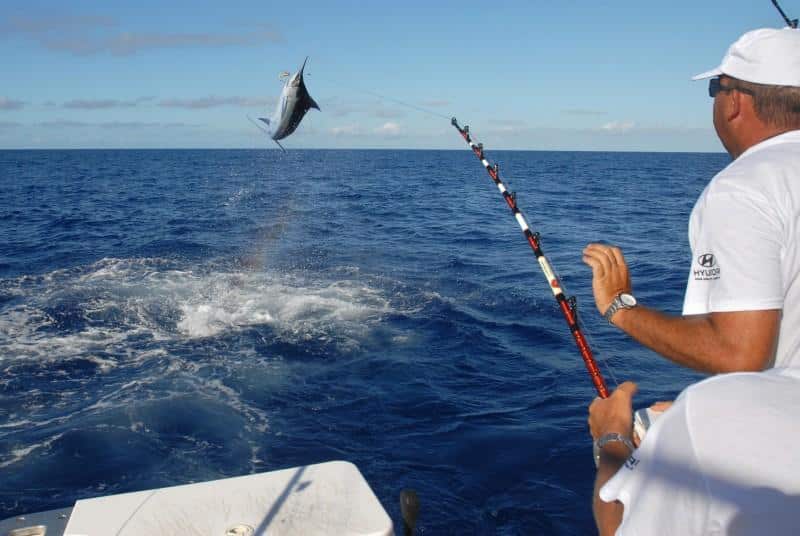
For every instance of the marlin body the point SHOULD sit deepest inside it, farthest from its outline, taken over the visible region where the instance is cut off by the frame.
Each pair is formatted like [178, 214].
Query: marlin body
[292, 107]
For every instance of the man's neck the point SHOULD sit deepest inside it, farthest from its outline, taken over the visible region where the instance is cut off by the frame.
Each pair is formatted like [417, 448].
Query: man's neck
[756, 136]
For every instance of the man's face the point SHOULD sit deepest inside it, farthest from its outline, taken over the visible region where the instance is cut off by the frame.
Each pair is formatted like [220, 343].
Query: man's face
[721, 108]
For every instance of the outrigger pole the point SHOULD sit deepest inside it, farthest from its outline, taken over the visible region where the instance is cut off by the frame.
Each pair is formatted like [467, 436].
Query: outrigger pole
[791, 23]
[567, 305]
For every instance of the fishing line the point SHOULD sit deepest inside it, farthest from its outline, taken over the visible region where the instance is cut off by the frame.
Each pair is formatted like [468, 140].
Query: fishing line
[389, 99]
[568, 305]
[407, 104]
[598, 353]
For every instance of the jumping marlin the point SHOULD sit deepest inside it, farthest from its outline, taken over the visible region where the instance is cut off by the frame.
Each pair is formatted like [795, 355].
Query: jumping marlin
[292, 106]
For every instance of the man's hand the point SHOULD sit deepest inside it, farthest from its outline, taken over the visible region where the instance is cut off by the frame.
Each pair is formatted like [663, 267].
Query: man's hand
[609, 273]
[662, 405]
[613, 414]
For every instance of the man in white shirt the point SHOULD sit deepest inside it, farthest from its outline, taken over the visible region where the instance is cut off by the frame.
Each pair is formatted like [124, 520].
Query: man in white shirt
[721, 460]
[742, 304]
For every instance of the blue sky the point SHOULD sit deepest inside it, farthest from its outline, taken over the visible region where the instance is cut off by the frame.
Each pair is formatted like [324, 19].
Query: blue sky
[569, 75]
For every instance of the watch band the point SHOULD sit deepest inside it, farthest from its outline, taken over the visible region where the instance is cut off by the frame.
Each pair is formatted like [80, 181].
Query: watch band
[605, 439]
[616, 305]
[613, 308]
[614, 436]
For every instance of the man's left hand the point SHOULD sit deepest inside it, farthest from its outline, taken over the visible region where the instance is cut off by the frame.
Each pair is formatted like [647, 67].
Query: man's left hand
[613, 414]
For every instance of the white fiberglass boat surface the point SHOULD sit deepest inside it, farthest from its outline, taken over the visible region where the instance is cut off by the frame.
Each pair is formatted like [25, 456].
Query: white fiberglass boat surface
[326, 498]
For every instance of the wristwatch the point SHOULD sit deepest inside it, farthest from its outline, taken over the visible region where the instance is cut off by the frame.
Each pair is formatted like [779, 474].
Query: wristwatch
[606, 439]
[623, 300]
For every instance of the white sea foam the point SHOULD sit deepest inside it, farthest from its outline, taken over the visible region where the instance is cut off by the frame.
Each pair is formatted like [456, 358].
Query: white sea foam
[124, 299]
[20, 453]
[15, 424]
[290, 307]
[137, 315]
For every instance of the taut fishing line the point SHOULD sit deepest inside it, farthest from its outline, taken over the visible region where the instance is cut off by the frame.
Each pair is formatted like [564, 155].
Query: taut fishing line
[567, 305]
[401, 103]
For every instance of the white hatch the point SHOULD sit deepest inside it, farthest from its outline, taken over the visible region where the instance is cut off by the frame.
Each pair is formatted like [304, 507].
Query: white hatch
[327, 498]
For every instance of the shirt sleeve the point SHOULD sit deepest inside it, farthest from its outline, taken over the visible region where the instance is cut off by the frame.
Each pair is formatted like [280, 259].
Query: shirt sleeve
[661, 486]
[736, 250]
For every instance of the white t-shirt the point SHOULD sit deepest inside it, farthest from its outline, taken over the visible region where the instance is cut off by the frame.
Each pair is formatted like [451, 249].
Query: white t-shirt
[746, 243]
[722, 460]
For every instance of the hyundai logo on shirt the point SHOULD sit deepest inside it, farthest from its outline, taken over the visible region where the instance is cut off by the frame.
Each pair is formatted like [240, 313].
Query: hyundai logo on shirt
[706, 261]
[708, 267]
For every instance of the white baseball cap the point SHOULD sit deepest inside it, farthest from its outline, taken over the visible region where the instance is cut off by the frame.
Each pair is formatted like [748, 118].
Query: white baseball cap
[765, 56]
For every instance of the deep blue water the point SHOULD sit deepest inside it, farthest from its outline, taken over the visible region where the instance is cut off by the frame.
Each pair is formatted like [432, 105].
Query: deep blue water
[177, 316]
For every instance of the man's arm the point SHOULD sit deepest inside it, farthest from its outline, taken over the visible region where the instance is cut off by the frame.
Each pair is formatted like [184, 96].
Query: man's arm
[716, 342]
[608, 515]
[613, 414]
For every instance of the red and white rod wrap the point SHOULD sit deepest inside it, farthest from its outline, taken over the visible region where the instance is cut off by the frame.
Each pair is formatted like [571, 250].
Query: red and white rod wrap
[567, 305]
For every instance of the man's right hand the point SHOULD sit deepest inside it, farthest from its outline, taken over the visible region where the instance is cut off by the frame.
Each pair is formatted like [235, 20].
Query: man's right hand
[610, 274]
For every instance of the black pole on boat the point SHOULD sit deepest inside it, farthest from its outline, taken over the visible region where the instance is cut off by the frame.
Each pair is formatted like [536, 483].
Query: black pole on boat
[791, 23]
[409, 509]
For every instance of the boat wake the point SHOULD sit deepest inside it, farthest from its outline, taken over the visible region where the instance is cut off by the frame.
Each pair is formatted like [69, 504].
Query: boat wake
[147, 346]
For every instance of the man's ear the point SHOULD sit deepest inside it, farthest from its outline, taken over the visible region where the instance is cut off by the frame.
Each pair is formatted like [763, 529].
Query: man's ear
[734, 104]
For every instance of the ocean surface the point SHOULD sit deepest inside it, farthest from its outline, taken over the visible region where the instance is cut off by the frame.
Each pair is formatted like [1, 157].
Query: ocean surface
[174, 316]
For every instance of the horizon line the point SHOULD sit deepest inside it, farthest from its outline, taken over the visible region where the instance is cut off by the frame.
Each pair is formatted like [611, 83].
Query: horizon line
[346, 149]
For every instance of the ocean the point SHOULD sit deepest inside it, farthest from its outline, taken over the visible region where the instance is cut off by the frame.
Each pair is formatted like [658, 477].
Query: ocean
[175, 316]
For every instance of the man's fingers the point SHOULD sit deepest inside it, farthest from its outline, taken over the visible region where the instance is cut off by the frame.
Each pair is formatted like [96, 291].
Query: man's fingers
[609, 255]
[619, 258]
[595, 264]
[628, 388]
[596, 257]
[662, 405]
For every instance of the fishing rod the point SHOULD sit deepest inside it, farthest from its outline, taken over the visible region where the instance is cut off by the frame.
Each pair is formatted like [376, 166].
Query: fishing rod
[791, 23]
[568, 305]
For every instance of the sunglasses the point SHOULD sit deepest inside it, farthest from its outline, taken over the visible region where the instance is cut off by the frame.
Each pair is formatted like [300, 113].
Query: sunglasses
[715, 86]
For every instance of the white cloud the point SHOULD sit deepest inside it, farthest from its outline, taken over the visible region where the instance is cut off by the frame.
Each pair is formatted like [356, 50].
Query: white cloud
[347, 130]
[618, 126]
[68, 123]
[85, 35]
[47, 24]
[390, 128]
[100, 104]
[214, 101]
[583, 111]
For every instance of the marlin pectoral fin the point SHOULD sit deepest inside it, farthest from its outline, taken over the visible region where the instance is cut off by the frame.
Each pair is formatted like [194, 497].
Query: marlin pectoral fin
[262, 129]
[264, 119]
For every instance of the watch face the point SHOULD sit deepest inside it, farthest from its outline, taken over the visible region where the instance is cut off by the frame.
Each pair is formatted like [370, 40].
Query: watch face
[627, 299]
